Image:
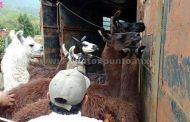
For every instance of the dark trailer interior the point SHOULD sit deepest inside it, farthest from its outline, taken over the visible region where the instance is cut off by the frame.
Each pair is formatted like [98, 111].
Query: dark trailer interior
[62, 19]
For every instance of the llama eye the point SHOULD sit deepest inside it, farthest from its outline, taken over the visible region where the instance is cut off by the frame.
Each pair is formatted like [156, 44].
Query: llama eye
[31, 45]
[85, 45]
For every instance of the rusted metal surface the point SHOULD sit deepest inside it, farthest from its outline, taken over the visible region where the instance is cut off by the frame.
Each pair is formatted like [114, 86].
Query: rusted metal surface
[166, 86]
[152, 16]
[50, 32]
[174, 83]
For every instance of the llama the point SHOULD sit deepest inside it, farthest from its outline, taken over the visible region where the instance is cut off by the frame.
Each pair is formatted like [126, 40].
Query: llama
[116, 45]
[15, 61]
[130, 64]
[112, 57]
[32, 110]
[79, 53]
[37, 70]
[108, 109]
[114, 51]
[129, 77]
[26, 94]
[116, 76]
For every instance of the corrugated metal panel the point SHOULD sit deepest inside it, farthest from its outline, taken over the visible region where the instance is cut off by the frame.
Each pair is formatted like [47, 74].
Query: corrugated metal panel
[50, 32]
[166, 86]
[152, 18]
[174, 94]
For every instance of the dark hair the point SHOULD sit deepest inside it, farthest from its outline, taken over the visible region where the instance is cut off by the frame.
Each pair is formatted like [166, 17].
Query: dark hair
[74, 110]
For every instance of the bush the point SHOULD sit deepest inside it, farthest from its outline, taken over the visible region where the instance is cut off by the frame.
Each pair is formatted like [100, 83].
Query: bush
[25, 24]
[2, 44]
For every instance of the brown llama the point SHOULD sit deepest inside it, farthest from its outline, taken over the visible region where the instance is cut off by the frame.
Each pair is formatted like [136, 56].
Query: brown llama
[25, 94]
[108, 109]
[112, 59]
[33, 110]
[117, 44]
[113, 53]
[37, 70]
[129, 77]
[131, 62]
[99, 106]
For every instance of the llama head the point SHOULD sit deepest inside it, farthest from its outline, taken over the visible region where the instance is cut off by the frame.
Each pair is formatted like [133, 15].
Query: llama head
[120, 41]
[133, 27]
[85, 46]
[33, 48]
[118, 27]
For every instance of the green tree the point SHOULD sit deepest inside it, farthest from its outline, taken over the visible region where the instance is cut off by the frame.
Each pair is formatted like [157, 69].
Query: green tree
[26, 25]
[2, 44]
[1, 26]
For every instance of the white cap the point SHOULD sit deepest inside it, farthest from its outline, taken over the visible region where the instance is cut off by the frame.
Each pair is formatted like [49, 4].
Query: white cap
[70, 85]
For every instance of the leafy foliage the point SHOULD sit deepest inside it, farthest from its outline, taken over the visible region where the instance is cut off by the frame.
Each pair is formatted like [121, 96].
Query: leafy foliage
[2, 44]
[26, 25]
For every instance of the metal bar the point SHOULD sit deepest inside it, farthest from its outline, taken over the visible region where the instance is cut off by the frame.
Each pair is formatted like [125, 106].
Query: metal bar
[155, 84]
[42, 29]
[52, 27]
[78, 29]
[163, 34]
[70, 28]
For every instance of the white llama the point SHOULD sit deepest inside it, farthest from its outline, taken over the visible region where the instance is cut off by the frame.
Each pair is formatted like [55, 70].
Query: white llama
[78, 53]
[16, 59]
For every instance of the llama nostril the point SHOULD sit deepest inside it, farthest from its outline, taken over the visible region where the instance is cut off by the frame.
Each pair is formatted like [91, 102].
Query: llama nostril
[95, 47]
[137, 34]
[41, 48]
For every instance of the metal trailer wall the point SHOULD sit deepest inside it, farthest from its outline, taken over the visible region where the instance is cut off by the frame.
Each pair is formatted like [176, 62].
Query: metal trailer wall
[166, 78]
[50, 33]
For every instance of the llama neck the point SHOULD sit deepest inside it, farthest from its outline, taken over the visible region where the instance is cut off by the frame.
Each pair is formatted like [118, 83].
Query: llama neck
[26, 56]
[20, 55]
[129, 77]
[81, 68]
[75, 61]
[112, 65]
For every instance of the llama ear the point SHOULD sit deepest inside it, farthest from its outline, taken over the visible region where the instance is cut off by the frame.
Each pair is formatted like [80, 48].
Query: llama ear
[75, 39]
[12, 34]
[19, 35]
[65, 52]
[106, 37]
[77, 42]
[83, 38]
[139, 51]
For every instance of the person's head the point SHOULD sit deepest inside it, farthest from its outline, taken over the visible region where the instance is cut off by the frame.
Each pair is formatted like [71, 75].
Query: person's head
[67, 91]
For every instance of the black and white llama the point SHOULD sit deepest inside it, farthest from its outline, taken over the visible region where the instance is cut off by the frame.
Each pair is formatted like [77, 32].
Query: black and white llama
[79, 53]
